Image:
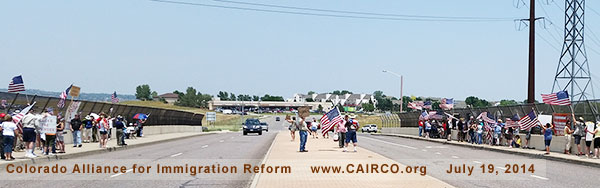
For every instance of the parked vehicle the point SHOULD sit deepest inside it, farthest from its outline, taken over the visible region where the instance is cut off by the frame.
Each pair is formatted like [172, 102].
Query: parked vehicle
[227, 112]
[252, 126]
[369, 128]
[277, 118]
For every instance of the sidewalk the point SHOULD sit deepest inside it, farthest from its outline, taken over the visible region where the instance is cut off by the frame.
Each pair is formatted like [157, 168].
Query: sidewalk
[534, 153]
[325, 152]
[93, 148]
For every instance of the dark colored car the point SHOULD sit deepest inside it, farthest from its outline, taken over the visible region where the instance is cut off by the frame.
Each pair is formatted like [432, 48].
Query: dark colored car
[277, 119]
[252, 126]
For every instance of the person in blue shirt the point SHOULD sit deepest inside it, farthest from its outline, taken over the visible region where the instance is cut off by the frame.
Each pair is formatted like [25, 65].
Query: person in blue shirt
[498, 132]
[548, 136]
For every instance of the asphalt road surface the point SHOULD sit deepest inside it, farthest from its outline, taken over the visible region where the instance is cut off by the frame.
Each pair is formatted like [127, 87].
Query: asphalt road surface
[226, 147]
[410, 151]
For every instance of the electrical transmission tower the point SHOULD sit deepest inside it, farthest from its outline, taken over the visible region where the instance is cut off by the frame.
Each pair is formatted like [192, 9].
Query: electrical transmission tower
[573, 71]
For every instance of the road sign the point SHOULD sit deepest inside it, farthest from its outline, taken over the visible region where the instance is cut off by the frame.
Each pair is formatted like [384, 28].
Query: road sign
[211, 116]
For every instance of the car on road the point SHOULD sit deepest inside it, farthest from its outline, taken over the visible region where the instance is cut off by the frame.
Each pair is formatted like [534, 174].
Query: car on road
[369, 128]
[252, 126]
[264, 126]
[227, 112]
[277, 119]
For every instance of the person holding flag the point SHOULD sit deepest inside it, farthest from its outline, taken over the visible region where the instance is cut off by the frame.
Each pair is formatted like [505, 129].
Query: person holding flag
[547, 136]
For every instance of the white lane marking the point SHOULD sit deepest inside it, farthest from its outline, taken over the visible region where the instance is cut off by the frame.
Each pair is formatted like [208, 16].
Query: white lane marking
[478, 162]
[232, 137]
[455, 157]
[221, 140]
[404, 146]
[424, 150]
[502, 168]
[204, 146]
[118, 174]
[428, 147]
[539, 177]
[177, 154]
[438, 153]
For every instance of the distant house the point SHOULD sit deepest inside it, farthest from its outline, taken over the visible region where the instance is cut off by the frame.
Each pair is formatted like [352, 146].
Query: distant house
[169, 97]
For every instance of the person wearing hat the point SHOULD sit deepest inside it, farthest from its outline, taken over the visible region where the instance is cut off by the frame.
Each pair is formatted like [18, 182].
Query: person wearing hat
[351, 125]
[120, 126]
[76, 130]
[30, 124]
[88, 125]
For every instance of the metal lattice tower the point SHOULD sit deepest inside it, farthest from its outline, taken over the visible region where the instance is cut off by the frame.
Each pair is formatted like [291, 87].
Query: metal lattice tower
[573, 71]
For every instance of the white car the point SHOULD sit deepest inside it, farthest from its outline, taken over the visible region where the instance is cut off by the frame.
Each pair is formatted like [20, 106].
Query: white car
[369, 128]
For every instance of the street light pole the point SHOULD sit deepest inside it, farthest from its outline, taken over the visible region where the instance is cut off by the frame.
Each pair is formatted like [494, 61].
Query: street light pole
[401, 86]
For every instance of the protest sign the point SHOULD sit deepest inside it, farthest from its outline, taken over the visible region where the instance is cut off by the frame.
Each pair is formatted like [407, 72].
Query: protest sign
[74, 92]
[304, 111]
[560, 121]
[71, 112]
[48, 124]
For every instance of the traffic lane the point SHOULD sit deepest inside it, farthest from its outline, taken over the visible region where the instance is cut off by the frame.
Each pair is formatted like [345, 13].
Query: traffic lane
[556, 172]
[225, 146]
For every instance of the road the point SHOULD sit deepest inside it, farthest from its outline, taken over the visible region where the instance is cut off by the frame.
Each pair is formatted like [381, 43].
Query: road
[225, 148]
[410, 151]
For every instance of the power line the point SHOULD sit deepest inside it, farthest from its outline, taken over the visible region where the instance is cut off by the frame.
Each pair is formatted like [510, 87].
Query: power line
[320, 14]
[363, 13]
[547, 42]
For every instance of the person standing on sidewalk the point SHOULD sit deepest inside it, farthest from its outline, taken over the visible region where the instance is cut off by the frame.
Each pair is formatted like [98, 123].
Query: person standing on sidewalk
[461, 129]
[76, 131]
[548, 136]
[103, 130]
[2, 115]
[8, 129]
[120, 126]
[597, 141]
[303, 127]
[50, 141]
[292, 127]
[60, 138]
[480, 133]
[568, 134]
[589, 136]
[30, 124]
[88, 125]
[341, 131]
[351, 126]
[421, 128]
[578, 134]
[314, 126]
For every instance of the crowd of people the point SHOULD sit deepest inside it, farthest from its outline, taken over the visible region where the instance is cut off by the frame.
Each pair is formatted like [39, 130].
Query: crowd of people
[344, 131]
[27, 133]
[477, 131]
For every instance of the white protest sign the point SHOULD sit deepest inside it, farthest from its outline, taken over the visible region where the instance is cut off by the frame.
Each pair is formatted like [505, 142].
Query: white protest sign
[48, 124]
[71, 112]
[545, 119]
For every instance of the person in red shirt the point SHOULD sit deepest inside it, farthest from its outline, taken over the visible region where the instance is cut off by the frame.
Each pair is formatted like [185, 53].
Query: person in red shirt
[421, 128]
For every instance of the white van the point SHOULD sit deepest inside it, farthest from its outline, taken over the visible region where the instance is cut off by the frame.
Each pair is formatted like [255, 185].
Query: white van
[227, 112]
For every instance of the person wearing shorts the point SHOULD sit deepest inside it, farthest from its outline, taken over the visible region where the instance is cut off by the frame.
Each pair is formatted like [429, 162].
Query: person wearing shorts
[597, 141]
[578, 134]
[351, 125]
[548, 136]
[30, 123]
[589, 137]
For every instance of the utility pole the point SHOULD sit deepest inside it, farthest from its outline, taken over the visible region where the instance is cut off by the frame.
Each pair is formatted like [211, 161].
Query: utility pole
[531, 84]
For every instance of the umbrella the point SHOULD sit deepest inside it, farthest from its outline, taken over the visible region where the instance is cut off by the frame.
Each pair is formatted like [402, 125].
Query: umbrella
[140, 116]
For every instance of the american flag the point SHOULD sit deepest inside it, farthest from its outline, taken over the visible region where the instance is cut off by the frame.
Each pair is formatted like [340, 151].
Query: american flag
[489, 132]
[560, 98]
[487, 117]
[63, 97]
[427, 105]
[17, 118]
[513, 121]
[330, 119]
[114, 97]
[447, 104]
[424, 115]
[528, 121]
[16, 85]
[417, 105]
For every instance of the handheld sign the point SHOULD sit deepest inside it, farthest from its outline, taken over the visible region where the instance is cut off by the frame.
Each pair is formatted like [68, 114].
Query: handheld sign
[48, 124]
[304, 111]
[74, 92]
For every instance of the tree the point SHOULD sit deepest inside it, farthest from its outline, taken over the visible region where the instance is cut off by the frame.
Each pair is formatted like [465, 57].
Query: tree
[508, 102]
[310, 100]
[368, 107]
[192, 98]
[346, 92]
[476, 102]
[232, 97]
[142, 92]
[337, 92]
[378, 95]
[240, 97]
[154, 95]
[311, 93]
[223, 95]
[271, 98]
[255, 98]
[320, 108]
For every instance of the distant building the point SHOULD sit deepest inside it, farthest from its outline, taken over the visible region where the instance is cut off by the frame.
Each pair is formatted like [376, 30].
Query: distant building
[169, 97]
[345, 100]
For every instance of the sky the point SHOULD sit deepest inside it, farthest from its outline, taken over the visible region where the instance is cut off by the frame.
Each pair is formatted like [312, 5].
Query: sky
[116, 45]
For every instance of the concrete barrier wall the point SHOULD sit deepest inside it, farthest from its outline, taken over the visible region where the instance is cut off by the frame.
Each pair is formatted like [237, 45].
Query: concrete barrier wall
[148, 130]
[558, 142]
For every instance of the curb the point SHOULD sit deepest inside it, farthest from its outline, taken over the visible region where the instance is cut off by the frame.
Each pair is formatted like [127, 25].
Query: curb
[41, 159]
[537, 156]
